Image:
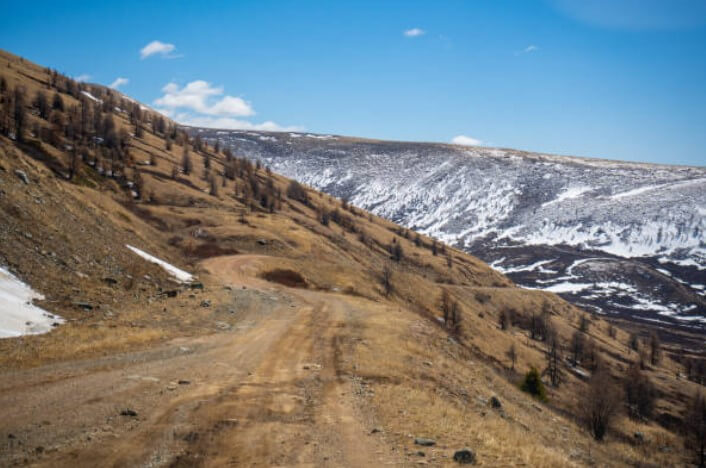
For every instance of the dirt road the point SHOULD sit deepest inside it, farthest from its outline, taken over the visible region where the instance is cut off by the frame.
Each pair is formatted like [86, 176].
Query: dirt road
[268, 393]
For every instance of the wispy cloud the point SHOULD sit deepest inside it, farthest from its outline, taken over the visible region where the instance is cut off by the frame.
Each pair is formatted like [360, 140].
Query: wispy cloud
[414, 32]
[465, 141]
[118, 83]
[158, 48]
[527, 50]
[201, 104]
[82, 78]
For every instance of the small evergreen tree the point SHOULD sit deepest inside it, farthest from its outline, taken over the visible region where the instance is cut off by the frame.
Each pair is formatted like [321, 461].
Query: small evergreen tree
[533, 385]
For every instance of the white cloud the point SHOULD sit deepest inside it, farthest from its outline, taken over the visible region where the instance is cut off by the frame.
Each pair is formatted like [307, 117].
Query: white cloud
[198, 96]
[82, 78]
[530, 48]
[200, 104]
[118, 83]
[230, 123]
[414, 32]
[157, 47]
[465, 141]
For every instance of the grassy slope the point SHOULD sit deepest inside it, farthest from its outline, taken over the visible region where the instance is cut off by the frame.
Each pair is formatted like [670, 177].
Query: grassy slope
[66, 239]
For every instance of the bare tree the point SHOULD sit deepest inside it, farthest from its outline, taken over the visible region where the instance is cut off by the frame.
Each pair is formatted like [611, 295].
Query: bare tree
[599, 403]
[577, 347]
[640, 393]
[655, 349]
[511, 354]
[386, 279]
[503, 320]
[213, 184]
[695, 427]
[553, 369]
[445, 305]
[186, 165]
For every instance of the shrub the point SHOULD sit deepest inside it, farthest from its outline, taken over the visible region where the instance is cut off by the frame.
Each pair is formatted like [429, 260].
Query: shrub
[295, 191]
[599, 404]
[640, 393]
[533, 385]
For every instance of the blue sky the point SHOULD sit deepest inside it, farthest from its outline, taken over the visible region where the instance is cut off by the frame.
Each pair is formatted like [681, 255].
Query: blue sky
[619, 79]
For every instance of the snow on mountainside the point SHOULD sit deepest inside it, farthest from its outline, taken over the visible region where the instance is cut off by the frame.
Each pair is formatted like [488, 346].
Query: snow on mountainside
[617, 237]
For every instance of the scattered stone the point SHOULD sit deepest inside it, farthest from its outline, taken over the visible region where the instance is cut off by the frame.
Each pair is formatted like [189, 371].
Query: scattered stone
[109, 280]
[424, 442]
[420, 453]
[262, 241]
[495, 402]
[184, 349]
[22, 176]
[428, 364]
[197, 285]
[172, 386]
[206, 303]
[28, 235]
[11, 436]
[376, 430]
[128, 412]
[465, 456]
[83, 305]
[639, 437]
[184, 382]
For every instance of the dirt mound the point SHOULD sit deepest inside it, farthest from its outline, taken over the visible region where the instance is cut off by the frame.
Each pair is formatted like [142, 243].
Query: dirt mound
[286, 277]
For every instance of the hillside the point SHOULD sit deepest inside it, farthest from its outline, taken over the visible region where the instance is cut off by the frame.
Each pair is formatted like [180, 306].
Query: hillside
[313, 332]
[619, 238]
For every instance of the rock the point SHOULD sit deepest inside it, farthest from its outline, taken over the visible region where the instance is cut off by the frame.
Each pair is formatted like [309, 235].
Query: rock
[424, 442]
[262, 241]
[376, 430]
[495, 402]
[465, 456]
[128, 412]
[206, 303]
[109, 280]
[196, 285]
[84, 305]
[420, 453]
[639, 437]
[428, 364]
[22, 176]
[184, 382]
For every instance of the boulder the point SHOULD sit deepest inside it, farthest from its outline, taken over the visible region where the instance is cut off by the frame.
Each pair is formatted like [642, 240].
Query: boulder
[465, 456]
[495, 402]
[22, 175]
[424, 442]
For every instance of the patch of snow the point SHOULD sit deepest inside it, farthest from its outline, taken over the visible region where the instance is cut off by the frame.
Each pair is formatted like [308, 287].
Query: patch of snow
[571, 192]
[181, 275]
[532, 267]
[91, 97]
[18, 316]
[566, 287]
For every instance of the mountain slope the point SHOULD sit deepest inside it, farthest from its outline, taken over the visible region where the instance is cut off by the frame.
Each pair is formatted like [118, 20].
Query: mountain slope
[313, 334]
[625, 239]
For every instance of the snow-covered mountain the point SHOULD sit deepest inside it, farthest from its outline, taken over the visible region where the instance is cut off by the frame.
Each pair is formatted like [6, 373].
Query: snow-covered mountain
[617, 237]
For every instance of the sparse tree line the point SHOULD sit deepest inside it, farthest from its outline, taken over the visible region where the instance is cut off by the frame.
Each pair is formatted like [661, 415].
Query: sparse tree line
[604, 396]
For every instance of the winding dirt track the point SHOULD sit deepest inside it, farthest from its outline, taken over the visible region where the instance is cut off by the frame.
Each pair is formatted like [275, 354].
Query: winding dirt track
[269, 393]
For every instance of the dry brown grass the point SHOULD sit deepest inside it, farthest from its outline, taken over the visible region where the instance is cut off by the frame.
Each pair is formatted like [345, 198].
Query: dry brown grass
[93, 221]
